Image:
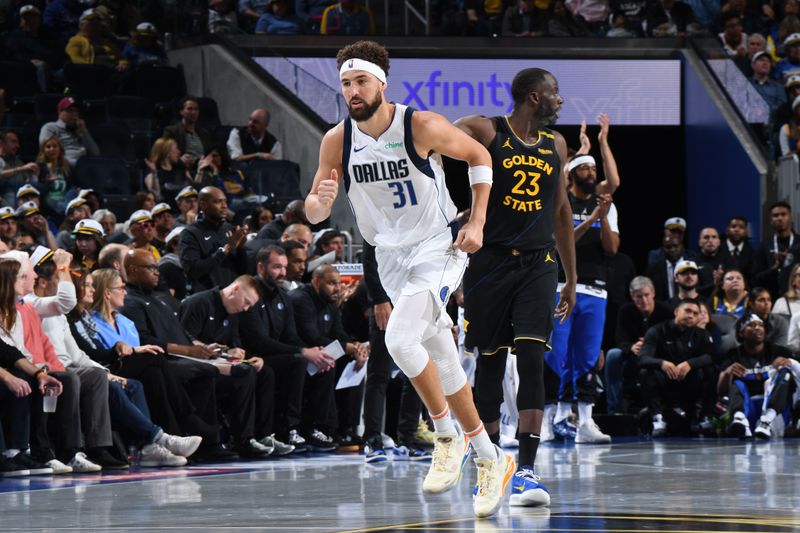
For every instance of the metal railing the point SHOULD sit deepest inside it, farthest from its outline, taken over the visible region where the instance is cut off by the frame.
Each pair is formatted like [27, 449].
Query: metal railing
[788, 184]
[412, 11]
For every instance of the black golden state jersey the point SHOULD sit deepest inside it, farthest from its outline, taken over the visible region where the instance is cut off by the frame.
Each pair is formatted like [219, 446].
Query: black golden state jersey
[525, 177]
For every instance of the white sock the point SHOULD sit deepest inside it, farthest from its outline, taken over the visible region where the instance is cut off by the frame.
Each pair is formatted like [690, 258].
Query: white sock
[769, 415]
[443, 422]
[563, 411]
[159, 437]
[482, 443]
[584, 412]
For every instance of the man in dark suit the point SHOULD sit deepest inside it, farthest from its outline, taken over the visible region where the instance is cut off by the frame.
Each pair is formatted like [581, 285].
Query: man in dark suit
[663, 273]
[738, 247]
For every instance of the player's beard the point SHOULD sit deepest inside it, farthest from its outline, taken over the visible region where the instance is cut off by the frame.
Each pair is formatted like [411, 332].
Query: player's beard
[548, 116]
[587, 185]
[366, 112]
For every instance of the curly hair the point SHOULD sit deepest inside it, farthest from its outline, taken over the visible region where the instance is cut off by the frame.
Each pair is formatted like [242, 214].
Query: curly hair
[366, 50]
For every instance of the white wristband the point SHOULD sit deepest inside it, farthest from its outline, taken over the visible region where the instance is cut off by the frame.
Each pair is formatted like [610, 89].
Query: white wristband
[480, 174]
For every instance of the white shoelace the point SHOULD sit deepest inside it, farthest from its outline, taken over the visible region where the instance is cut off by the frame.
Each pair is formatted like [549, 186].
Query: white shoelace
[486, 481]
[441, 454]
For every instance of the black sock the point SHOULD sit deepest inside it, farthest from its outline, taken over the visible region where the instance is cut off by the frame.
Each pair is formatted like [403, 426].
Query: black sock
[494, 437]
[528, 444]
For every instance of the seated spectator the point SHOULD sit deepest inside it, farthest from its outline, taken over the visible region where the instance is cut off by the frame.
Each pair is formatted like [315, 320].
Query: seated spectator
[71, 131]
[310, 13]
[23, 241]
[143, 232]
[28, 193]
[107, 220]
[756, 367]
[633, 12]
[212, 316]
[672, 358]
[348, 17]
[300, 233]
[633, 321]
[524, 20]
[62, 16]
[170, 270]
[13, 171]
[278, 21]
[143, 48]
[32, 43]
[770, 90]
[731, 298]
[561, 23]
[297, 258]
[32, 222]
[295, 212]
[90, 46]
[20, 383]
[80, 422]
[269, 328]
[254, 141]
[258, 217]
[163, 223]
[732, 37]
[155, 319]
[787, 305]
[723, 340]
[319, 323]
[619, 27]
[54, 171]
[193, 140]
[251, 10]
[776, 326]
[776, 256]
[686, 278]
[737, 244]
[327, 241]
[91, 323]
[113, 256]
[89, 240]
[168, 174]
[8, 224]
[673, 227]
[790, 64]
[187, 205]
[222, 16]
[76, 210]
[212, 250]
[144, 200]
[663, 273]
[670, 18]
[711, 260]
[215, 170]
[755, 43]
[783, 115]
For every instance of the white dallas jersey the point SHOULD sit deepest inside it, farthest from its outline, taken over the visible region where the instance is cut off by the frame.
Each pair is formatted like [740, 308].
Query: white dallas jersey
[399, 199]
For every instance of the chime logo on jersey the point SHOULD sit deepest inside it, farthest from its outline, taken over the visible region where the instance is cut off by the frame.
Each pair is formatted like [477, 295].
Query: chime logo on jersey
[380, 171]
[527, 171]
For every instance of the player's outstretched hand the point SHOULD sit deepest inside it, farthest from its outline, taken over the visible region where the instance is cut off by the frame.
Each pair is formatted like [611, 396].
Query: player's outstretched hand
[328, 189]
[470, 238]
[566, 303]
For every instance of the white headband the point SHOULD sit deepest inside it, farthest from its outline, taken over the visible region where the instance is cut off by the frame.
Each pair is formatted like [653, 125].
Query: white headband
[581, 160]
[366, 66]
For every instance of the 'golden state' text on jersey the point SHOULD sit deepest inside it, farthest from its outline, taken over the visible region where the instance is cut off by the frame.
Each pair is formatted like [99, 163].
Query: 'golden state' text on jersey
[399, 198]
[525, 177]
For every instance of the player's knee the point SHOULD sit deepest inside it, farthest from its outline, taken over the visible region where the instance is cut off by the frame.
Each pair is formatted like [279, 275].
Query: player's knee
[451, 374]
[407, 353]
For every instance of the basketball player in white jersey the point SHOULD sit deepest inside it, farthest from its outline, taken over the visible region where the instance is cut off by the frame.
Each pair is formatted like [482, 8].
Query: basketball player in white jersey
[396, 188]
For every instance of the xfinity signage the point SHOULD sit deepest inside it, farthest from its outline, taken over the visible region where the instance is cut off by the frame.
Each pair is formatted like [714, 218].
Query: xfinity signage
[632, 92]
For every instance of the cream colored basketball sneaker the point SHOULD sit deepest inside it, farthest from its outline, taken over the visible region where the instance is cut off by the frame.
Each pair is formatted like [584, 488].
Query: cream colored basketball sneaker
[493, 476]
[450, 453]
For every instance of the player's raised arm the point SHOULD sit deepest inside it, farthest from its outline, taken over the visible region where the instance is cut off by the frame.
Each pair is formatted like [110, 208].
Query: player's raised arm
[329, 173]
[433, 133]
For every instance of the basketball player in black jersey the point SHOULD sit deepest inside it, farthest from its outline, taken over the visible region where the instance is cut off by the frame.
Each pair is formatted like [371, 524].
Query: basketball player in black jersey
[509, 283]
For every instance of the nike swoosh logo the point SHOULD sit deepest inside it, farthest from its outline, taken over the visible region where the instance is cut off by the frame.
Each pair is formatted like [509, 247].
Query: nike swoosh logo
[358, 149]
[207, 237]
[519, 487]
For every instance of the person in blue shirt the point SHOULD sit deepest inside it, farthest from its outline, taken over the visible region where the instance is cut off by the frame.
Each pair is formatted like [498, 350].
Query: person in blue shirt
[277, 20]
[770, 90]
[144, 48]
